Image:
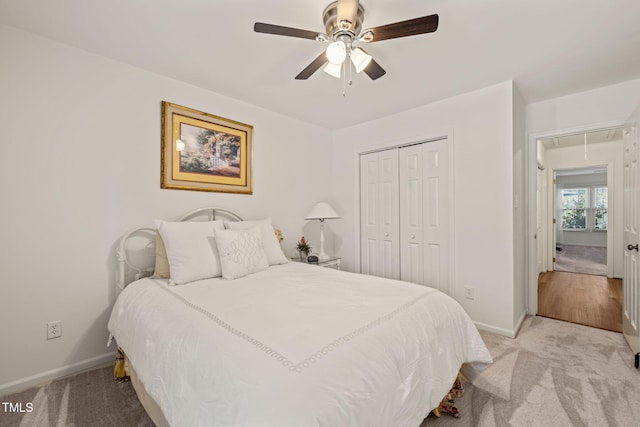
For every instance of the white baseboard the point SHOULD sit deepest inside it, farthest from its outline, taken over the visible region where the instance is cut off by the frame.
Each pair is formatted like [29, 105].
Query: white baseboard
[64, 371]
[580, 244]
[496, 330]
[501, 331]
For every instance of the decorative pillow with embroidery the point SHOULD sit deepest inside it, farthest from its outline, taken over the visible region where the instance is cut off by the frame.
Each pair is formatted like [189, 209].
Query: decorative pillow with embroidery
[241, 252]
[270, 240]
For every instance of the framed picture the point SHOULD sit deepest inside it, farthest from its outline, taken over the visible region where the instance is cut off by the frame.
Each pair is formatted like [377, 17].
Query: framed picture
[203, 152]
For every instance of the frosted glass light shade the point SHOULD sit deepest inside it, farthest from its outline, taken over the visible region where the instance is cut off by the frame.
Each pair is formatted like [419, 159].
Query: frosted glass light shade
[333, 69]
[322, 211]
[360, 59]
[337, 52]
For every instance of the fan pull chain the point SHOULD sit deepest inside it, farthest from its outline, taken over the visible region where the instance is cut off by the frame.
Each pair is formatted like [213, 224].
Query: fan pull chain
[344, 77]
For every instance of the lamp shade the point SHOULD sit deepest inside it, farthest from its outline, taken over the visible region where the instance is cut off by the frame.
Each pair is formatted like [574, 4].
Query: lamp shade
[322, 211]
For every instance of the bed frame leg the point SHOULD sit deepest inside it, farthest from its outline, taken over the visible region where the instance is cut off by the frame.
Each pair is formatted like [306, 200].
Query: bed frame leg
[637, 360]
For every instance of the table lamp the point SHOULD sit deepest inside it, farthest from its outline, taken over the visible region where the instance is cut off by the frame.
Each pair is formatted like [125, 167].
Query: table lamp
[322, 211]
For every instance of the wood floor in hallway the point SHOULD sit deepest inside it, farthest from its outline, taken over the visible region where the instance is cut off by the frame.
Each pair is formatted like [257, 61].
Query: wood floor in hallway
[581, 298]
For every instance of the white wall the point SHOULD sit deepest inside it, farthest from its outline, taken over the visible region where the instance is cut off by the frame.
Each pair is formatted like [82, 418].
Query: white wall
[81, 165]
[590, 108]
[479, 126]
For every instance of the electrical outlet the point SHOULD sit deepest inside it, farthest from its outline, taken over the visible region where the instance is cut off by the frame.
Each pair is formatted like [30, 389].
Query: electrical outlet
[468, 292]
[54, 329]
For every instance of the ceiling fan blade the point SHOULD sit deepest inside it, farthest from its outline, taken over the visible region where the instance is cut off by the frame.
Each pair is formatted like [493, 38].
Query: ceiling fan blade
[374, 70]
[347, 11]
[313, 67]
[260, 27]
[411, 27]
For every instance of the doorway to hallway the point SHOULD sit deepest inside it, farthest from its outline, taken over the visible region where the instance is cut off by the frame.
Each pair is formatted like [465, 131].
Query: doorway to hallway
[579, 205]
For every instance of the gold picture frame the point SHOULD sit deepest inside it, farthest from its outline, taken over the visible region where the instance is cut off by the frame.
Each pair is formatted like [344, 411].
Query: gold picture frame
[203, 152]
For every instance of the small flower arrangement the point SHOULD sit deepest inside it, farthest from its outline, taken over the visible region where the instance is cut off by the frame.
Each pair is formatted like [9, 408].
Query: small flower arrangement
[303, 246]
[279, 235]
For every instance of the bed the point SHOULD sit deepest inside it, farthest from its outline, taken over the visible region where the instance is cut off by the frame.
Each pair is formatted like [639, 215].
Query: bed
[286, 344]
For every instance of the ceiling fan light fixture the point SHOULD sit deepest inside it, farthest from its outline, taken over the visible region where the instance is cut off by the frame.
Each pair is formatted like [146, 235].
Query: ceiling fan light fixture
[360, 59]
[345, 25]
[366, 36]
[333, 70]
[343, 21]
[337, 52]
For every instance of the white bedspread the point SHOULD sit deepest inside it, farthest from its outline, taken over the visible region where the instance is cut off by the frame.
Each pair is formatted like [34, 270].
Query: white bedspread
[296, 345]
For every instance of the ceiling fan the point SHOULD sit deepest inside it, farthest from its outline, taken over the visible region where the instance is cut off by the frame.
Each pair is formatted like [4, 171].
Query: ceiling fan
[343, 24]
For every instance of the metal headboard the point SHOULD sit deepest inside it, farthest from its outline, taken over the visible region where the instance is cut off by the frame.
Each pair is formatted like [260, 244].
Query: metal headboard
[148, 234]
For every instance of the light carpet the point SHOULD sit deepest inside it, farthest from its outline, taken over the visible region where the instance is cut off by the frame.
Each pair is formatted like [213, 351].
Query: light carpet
[91, 399]
[553, 374]
[582, 259]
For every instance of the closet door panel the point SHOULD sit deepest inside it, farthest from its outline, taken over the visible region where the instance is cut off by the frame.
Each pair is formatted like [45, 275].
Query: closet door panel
[436, 172]
[411, 214]
[433, 268]
[389, 255]
[369, 256]
[379, 209]
[369, 224]
[389, 267]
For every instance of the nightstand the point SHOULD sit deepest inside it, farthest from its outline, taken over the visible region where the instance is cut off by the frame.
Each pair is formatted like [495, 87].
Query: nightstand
[332, 262]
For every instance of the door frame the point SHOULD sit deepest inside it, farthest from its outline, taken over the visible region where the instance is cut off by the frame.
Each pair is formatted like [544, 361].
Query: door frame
[531, 154]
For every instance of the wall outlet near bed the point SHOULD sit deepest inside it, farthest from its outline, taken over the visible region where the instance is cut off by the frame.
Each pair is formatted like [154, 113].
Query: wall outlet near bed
[54, 329]
[468, 292]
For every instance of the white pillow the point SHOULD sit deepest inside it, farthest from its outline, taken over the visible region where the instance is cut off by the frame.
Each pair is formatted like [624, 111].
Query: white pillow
[161, 266]
[191, 249]
[272, 247]
[241, 252]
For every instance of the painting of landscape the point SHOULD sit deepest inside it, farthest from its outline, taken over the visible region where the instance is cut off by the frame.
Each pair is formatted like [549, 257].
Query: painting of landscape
[204, 152]
[209, 152]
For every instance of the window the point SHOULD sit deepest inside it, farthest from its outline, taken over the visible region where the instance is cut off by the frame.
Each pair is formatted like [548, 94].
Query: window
[574, 208]
[600, 208]
[584, 208]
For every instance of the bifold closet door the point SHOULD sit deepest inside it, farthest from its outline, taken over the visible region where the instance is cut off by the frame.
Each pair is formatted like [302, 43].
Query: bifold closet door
[424, 171]
[379, 214]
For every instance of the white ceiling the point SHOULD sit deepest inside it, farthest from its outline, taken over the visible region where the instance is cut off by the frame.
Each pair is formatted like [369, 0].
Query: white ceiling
[548, 47]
